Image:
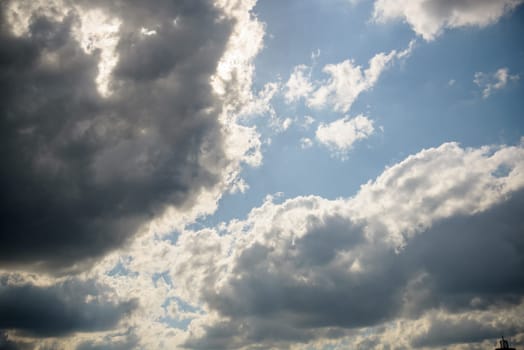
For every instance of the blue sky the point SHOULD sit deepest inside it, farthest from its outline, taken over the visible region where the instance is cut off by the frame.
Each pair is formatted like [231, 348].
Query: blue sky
[414, 101]
[243, 174]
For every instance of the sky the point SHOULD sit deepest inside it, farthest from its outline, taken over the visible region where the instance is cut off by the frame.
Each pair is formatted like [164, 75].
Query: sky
[243, 174]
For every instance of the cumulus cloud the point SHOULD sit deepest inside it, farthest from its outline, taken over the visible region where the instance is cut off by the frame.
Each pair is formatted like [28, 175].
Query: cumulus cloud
[299, 84]
[116, 119]
[347, 80]
[61, 309]
[416, 240]
[472, 329]
[169, 123]
[428, 18]
[89, 159]
[340, 135]
[445, 331]
[489, 83]
[7, 344]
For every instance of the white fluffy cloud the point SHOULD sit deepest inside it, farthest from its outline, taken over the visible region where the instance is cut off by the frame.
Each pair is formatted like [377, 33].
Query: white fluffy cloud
[496, 81]
[347, 80]
[437, 183]
[429, 18]
[340, 135]
[299, 84]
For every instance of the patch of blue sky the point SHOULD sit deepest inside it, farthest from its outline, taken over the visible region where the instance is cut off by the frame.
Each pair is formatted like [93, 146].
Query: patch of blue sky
[420, 102]
[338, 29]
[120, 270]
[502, 170]
[178, 322]
[164, 276]
[181, 304]
[172, 236]
[181, 324]
[418, 108]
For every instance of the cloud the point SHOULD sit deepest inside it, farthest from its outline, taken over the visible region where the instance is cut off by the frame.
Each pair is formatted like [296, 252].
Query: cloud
[124, 341]
[428, 18]
[114, 117]
[340, 135]
[88, 160]
[424, 237]
[347, 80]
[133, 272]
[444, 332]
[299, 84]
[61, 309]
[7, 344]
[473, 329]
[306, 142]
[496, 81]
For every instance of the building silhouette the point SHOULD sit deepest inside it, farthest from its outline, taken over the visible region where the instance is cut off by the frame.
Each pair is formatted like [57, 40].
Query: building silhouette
[504, 345]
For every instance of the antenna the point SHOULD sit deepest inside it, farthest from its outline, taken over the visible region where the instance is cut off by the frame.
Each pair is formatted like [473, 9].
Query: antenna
[504, 344]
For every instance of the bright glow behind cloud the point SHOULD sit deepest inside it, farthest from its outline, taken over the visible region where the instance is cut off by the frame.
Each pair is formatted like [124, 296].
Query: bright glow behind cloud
[95, 31]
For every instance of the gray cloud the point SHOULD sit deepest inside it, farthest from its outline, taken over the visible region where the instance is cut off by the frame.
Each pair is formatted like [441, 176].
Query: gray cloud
[125, 341]
[7, 344]
[82, 172]
[266, 283]
[444, 333]
[472, 262]
[59, 310]
[286, 292]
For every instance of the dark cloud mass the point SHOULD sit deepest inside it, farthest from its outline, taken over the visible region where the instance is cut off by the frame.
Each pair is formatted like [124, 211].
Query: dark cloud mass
[473, 262]
[7, 344]
[62, 309]
[321, 299]
[81, 172]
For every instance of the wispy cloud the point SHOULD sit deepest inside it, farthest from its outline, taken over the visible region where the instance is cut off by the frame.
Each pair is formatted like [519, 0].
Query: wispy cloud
[347, 80]
[489, 83]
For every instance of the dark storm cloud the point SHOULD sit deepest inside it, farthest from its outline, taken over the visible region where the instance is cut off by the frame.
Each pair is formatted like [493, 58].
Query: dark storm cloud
[461, 264]
[80, 173]
[7, 344]
[59, 310]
